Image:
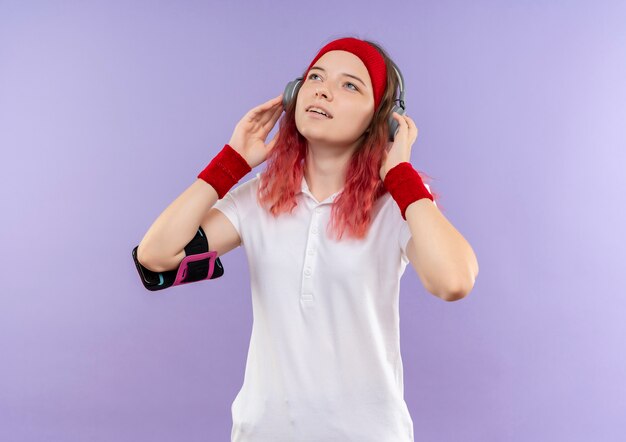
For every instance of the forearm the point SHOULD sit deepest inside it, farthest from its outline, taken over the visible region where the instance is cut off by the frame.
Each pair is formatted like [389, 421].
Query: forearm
[176, 226]
[446, 260]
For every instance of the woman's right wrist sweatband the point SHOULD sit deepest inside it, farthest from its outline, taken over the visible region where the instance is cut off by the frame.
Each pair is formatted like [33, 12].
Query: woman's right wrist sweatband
[225, 170]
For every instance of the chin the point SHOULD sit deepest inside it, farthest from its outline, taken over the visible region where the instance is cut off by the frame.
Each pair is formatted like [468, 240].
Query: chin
[310, 132]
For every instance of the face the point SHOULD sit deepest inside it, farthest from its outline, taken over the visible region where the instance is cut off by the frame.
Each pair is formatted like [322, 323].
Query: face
[350, 101]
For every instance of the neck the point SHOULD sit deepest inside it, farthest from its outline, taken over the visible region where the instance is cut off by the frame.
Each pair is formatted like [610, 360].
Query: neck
[326, 167]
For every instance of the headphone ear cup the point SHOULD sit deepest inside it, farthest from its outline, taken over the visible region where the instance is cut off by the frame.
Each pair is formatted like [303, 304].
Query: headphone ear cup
[291, 91]
[393, 123]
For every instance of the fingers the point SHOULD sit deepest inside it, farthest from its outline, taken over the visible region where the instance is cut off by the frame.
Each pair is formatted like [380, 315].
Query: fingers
[270, 103]
[402, 124]
[274, 103]
[273, 117]
[406, 123]
[267, 119]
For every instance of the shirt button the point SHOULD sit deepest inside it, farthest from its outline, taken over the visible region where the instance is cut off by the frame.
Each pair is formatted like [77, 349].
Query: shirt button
[318, 210]
[314, 229]
[311, 251]
[307, 272]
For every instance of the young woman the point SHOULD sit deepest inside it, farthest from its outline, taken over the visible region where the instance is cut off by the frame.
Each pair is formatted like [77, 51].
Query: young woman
[328, 228]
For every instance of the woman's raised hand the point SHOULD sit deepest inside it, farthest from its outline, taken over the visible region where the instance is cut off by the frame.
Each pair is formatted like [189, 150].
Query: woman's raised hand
[249, 136]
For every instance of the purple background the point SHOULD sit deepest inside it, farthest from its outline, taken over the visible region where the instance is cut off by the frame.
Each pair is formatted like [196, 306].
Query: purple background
[109, 110]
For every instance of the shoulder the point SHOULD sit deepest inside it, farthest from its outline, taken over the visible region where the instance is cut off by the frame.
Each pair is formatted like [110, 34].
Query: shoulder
[244, 189]
[241, 197]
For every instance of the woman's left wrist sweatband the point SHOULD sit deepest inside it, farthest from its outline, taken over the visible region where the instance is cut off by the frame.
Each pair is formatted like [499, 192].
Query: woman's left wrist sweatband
[405, 186]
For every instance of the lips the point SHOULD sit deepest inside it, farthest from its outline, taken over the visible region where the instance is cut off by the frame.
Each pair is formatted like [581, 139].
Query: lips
[320, 107]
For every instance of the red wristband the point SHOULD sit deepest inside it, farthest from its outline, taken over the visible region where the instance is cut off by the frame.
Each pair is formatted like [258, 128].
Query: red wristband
[225, 170]
[405, 186]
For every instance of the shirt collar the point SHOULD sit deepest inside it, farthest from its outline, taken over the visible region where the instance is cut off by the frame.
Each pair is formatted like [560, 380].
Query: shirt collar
[304, 188]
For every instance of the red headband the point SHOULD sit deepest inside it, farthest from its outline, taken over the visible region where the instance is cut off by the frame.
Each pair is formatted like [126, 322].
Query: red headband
[369, 55]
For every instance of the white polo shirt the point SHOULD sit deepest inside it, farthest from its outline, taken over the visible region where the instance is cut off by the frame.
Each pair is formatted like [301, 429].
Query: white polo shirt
[324, 359]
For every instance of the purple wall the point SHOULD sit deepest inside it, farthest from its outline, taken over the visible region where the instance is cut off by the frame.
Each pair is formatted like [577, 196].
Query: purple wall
[108, 111]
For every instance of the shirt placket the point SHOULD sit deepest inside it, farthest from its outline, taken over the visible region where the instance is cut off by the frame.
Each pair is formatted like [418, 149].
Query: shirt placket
[307, 295]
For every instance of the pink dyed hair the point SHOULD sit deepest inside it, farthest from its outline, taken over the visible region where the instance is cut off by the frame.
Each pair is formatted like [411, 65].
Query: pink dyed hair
[351, 210]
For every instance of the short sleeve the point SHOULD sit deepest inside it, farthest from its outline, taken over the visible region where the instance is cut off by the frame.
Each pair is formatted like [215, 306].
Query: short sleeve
[404, 232]
[236, 203]
[228, 206]
[405, 235]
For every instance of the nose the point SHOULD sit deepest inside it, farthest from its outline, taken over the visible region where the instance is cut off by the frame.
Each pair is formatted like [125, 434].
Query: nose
[317, 93]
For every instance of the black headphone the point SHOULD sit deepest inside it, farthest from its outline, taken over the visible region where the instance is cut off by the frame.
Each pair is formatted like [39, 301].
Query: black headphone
[292, 88]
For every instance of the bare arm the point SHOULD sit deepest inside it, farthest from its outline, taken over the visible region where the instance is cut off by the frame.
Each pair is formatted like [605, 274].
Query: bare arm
[163, 246]
[441, 256]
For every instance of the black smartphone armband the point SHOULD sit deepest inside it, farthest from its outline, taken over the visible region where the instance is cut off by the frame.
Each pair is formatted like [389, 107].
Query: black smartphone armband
[198, 264]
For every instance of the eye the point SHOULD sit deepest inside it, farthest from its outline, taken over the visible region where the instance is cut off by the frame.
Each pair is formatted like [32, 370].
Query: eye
[355, 88]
